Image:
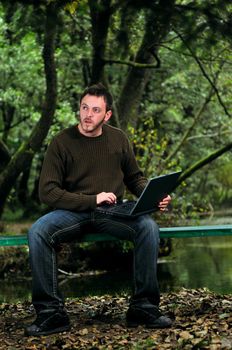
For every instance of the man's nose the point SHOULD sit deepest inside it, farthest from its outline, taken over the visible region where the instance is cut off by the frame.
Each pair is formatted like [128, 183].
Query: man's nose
[90, 112]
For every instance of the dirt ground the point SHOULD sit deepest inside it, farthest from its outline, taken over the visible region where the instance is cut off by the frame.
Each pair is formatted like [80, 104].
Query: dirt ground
[202, 320]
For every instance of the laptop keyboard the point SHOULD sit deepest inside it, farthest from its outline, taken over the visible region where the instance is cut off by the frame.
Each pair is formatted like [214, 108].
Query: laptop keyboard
[124, 207]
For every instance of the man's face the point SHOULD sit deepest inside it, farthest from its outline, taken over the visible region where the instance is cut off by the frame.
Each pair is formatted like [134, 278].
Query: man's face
[93, 115]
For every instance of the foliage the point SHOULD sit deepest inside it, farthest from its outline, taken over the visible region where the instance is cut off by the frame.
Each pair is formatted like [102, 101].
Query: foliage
[73, 6]
[175, 113]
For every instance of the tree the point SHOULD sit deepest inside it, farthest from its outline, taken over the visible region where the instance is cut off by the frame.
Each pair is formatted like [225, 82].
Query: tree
[166, 63]
[26, 151]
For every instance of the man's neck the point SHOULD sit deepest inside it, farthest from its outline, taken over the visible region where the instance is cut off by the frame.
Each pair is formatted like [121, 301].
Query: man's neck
[94, 133]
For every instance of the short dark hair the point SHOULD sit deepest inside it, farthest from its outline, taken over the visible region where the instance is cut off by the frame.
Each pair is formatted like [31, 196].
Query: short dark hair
[99, 90]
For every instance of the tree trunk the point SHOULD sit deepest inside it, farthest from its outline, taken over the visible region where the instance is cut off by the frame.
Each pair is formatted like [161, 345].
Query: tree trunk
[8, 112]
[25, 153]
[157, 26]
[100, 19]
[4, 155]
[22, 188]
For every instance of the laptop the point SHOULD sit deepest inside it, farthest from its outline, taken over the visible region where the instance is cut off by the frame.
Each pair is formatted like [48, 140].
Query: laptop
[156, 189]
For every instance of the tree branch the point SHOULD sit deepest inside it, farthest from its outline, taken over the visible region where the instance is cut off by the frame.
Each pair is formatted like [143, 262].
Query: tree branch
[205, 74]
[15, 124]
[208, 159]
[189, 130]
[132, 63]
[209, 135]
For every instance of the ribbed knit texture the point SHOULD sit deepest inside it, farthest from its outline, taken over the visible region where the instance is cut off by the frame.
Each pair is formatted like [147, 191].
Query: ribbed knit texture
[76, 168]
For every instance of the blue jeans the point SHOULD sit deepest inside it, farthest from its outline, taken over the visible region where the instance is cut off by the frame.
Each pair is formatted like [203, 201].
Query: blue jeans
[60, 226]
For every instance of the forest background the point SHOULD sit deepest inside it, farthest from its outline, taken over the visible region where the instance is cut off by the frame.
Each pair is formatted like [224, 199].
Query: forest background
[168, 65]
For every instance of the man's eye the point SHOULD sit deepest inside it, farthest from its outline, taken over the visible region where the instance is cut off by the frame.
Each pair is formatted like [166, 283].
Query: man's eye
[85, 108]
[96, 110]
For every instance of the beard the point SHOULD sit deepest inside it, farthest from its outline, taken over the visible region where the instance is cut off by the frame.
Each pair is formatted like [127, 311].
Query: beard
[88, 126]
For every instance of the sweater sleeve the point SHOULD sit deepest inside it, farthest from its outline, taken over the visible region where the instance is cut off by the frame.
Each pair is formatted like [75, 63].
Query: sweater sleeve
[51, 191]
[133, 176]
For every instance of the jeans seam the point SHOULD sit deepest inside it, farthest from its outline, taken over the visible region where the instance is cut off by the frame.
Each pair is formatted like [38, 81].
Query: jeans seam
[119, 224]
[55, 282]
[70, 228]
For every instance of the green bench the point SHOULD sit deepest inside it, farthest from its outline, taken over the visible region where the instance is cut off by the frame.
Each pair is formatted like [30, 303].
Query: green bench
[165, 232]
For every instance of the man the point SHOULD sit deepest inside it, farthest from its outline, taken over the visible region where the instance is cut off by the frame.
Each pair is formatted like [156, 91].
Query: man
[87, 165]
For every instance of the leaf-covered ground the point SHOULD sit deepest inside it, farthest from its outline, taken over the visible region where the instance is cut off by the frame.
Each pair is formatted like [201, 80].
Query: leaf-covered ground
[202, 320]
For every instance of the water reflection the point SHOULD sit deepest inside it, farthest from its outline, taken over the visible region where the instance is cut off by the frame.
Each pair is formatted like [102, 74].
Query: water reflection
[194, 263]
[202, 262]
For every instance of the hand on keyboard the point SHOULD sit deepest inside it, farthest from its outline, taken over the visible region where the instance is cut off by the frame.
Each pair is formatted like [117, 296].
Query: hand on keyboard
[106, 197]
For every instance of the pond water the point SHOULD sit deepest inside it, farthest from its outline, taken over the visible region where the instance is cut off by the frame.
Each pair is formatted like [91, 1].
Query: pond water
[194, 263]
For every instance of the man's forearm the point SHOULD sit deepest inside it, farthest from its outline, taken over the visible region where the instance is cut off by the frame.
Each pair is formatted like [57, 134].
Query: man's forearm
[62, 199]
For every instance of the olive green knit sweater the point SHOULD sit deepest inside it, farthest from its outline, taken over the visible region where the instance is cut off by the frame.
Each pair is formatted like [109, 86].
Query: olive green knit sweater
[76, 168]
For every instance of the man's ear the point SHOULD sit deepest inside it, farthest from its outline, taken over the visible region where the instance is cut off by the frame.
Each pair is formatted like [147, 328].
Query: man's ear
[108, 115]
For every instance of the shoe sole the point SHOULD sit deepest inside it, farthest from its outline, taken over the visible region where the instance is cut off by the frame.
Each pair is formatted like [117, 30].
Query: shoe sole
[56, 330]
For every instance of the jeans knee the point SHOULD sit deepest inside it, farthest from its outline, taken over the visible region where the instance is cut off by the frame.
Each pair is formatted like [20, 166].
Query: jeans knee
[37, 232]
[149, 230]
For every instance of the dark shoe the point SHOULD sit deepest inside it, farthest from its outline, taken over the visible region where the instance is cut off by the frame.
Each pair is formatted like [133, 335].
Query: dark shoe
[148, 316]
[48, 323]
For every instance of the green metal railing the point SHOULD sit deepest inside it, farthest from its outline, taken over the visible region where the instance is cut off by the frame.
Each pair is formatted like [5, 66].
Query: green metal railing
[165, 232]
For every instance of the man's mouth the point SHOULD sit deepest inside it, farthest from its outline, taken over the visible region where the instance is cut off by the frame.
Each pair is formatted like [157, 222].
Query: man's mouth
[87, 121]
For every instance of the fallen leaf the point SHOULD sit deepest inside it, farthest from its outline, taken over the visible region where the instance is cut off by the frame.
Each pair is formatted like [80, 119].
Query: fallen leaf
[186, 335]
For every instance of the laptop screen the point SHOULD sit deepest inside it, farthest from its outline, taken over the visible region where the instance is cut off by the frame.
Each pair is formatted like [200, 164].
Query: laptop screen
[156, 189]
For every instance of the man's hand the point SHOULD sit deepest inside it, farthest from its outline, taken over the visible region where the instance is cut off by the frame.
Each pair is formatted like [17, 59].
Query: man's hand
[164, 203]
[106, 197]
